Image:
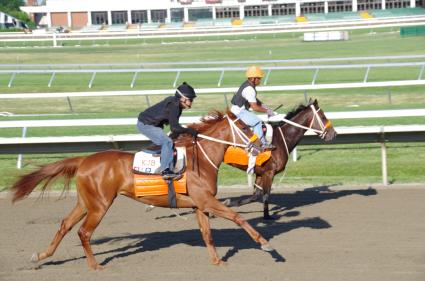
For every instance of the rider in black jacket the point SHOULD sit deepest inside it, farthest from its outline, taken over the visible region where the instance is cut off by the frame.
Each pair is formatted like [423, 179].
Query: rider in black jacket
[151, 123]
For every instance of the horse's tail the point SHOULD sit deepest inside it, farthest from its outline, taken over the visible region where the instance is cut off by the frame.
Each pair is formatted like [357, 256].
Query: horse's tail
[49, 173]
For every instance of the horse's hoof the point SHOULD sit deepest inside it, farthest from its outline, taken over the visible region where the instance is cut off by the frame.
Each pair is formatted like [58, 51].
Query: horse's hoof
[267, 247]
[34, 257]
[96, 267]
[220, 263]
[149, 208]
[227, 202]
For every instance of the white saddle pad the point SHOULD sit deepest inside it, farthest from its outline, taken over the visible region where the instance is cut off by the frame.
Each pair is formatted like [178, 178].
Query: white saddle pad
[150, 163]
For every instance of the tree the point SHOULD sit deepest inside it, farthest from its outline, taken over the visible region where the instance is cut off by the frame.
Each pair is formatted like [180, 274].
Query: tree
[11, 7]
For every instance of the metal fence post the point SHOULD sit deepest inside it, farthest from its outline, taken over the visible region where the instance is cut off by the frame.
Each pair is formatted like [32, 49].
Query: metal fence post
[384, 164]
[92, 80]
[294, 155]
[70, 104]
[11, 80]
[52, 78]
[177, 78]
[221, 78]
[267, 77]
[134, 79]
[366, 75]
[20, 157]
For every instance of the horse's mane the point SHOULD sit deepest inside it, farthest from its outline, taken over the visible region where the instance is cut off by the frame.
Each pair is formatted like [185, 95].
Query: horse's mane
[207, 122]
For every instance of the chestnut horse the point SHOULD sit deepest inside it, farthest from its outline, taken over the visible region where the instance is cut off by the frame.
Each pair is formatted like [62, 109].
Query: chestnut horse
[100, 177]
[286, 136]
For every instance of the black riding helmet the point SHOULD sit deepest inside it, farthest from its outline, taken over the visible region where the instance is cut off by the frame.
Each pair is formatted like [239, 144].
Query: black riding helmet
[185, 90]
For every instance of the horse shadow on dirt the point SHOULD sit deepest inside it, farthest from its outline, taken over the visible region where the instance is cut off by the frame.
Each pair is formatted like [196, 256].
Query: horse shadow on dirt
[236, 239]
[284, 202]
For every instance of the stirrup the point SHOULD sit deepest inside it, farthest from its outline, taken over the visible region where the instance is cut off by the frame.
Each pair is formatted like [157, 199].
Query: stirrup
[268, 146]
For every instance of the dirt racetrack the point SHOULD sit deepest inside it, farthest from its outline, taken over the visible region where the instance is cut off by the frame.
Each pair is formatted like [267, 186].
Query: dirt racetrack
[319, 234]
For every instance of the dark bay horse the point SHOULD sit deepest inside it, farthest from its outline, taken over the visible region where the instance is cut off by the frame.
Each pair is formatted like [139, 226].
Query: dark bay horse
[286, 137]
[100, 177]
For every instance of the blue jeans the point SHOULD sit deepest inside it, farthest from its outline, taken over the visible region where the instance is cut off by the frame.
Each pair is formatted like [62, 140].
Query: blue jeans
[158, 137]
[254, 122]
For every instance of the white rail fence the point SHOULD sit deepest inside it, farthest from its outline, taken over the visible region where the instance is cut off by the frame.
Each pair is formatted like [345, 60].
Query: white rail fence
[221, 70]
[346, 135]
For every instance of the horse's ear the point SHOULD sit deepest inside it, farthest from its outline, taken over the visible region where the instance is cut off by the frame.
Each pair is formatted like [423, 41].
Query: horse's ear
[315, 101]
[310, 101]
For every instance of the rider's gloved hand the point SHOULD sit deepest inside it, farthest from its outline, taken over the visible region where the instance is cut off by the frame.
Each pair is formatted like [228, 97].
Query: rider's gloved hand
[271, 113]
[193, 132]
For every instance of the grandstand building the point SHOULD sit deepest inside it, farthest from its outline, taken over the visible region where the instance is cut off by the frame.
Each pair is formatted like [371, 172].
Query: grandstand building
[77, 14]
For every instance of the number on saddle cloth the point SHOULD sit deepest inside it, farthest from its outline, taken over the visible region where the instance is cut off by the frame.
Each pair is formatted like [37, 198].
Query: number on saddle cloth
[149, 162]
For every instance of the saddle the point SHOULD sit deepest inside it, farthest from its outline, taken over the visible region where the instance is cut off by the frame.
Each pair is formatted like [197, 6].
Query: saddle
[238, 156]
[148, 180]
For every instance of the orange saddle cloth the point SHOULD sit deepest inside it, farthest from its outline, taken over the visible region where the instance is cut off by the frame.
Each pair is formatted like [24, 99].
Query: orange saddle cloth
[149, 185]
[236, 155]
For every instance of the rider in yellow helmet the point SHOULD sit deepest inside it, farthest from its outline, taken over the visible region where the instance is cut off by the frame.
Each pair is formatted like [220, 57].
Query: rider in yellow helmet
[246, 98]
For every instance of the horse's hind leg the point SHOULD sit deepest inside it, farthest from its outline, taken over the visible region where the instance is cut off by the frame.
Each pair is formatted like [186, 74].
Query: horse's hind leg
[93, 218]
[67, 223]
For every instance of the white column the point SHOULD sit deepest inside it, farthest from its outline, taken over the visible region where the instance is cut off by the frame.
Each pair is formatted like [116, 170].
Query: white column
[214, 16]
[49, 19]
[69, 19]
[109, 17]
[270, 10]
[129, 19]
[354, 5]
[412, 3]
[149, 16]
[168, 17]
[186, 14]
[241, 11]
[383, 4]
[297, 9]
[89, 23]
[327, 7]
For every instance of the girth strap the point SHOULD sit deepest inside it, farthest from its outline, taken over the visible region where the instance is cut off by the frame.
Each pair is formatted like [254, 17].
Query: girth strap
[172, 202]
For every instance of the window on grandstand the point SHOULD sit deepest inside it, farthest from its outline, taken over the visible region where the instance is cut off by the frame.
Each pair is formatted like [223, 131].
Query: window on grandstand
[256, 11]
[227, 12]
[204, 13]
[420, 3]
[312, 8]
[99, 18]
[139, 16]
[177, 15]
[390, 4]
[363, 5]
[119, 17]
[158, 15]
[340, 6]
[283, 9]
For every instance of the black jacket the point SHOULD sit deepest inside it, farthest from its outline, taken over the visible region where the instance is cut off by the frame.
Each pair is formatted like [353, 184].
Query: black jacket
[165, 112]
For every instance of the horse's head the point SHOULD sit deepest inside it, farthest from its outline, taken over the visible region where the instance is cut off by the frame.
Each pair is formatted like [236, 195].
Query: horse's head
[320, 123]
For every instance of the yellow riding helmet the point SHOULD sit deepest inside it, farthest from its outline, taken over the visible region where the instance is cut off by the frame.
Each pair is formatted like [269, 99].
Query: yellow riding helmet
[254, 72]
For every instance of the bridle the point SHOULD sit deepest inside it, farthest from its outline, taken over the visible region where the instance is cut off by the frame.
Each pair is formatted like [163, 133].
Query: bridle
[247, 143]
[323, 127]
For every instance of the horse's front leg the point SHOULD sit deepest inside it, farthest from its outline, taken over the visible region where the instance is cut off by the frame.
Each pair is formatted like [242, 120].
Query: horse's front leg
[267, 181]
[217, 208]
[204, 226]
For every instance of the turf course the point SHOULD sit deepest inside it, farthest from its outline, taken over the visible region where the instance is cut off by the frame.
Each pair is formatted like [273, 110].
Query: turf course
[353, 164]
